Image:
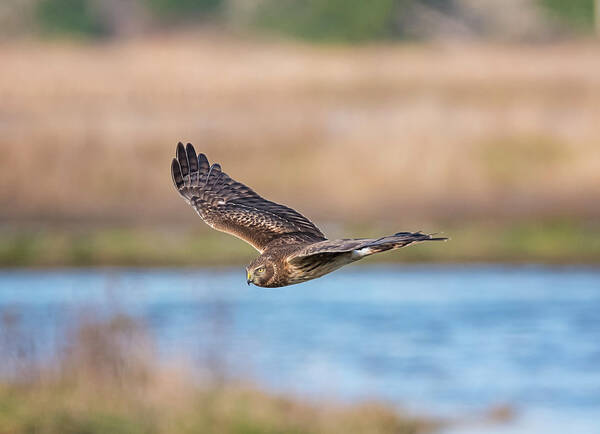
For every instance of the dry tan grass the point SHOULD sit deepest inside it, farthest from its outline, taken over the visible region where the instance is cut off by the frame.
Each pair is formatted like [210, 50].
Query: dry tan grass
[372, 132]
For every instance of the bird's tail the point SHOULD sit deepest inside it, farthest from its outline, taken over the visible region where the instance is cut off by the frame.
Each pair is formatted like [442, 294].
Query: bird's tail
[396, 241]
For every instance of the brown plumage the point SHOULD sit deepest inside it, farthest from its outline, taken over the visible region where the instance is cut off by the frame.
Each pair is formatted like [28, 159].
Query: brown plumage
[293, 249]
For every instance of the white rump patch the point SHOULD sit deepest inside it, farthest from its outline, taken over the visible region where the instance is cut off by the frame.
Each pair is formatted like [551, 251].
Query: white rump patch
[221, 202]
[361, 253]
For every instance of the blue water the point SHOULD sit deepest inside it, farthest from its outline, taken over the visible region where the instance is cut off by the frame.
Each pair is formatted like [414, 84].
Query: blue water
[442, 340]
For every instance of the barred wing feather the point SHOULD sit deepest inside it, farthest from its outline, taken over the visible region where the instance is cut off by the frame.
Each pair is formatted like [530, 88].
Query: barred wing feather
[232, 207]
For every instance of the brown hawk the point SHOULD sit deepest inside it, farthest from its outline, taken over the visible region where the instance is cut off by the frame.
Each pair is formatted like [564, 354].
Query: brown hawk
[293, 249]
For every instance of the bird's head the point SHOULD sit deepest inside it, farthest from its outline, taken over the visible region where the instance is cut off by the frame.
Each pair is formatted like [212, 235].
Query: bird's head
[259, 272]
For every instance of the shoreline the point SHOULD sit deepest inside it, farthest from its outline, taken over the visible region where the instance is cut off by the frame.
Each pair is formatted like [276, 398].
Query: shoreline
[520, 243]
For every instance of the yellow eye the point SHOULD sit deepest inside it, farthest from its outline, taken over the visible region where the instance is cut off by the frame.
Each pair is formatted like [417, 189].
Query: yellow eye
[260, 270]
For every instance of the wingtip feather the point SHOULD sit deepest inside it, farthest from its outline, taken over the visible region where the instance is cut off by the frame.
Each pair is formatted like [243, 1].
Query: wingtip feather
[182, 158]
[192, 158]
[176, 173]
[203, 165]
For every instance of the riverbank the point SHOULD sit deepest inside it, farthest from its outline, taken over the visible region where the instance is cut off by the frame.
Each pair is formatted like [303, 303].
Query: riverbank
[553, 242]
[106, 378]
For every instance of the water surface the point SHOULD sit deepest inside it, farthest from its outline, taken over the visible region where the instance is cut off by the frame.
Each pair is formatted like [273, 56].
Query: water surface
[441, 340]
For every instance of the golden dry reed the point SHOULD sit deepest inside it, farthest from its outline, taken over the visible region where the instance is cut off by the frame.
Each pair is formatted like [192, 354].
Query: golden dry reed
[354, 133]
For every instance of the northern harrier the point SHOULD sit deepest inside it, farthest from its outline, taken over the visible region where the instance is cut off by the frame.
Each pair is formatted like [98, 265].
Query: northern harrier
[292, 249]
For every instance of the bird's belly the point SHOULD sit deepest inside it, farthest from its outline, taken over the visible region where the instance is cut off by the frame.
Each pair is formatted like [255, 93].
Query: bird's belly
[313, 271]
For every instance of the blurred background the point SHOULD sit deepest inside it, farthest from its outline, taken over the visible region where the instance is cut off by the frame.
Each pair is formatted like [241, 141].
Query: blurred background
[120, 311]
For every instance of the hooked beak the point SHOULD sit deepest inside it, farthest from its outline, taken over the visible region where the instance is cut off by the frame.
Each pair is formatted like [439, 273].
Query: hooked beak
[248, 278]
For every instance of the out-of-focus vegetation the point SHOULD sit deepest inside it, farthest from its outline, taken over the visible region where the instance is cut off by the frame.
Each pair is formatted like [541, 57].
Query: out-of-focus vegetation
[107, 378]
[70, 16]
[578, 13]
[349, 20]
[324, 20]
[492, 144]
[183, 8]
[560, 242]
[498, 149]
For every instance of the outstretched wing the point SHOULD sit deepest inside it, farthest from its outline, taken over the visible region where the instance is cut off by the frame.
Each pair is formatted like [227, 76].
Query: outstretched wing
[355, 249]
[230, 206]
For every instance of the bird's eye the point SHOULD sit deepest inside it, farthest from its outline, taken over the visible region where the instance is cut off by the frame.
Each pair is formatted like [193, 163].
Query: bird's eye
[260, 270]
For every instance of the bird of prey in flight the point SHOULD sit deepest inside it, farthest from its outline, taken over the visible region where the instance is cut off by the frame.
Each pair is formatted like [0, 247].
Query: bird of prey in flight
[292, 249]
